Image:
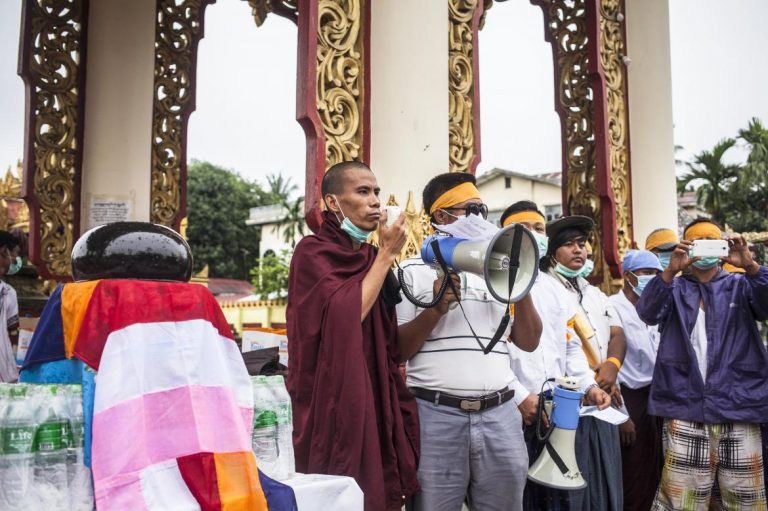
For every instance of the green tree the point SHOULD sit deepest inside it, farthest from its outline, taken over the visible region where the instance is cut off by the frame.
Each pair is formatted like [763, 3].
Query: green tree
[270, 275]
[750, 192]
[714, 178]
[218, 201]
[292, 226]
[280, 188]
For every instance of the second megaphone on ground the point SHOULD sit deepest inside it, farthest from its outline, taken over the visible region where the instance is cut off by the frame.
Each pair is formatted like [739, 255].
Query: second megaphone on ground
[511, 250]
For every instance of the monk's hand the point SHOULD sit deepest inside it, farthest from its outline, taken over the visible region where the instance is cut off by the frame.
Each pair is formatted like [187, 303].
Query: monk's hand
[528, 409]
[392, 238]
[597, 397]
[443, 306]
[606, 374]
[679, 261]
[740, 256]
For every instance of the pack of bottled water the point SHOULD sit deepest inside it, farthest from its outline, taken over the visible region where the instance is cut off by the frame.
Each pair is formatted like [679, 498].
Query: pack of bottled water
[41, 448]
[272, 427]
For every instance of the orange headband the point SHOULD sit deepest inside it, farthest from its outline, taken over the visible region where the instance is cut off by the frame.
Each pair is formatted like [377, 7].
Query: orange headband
[455, 195]
[524, 216]
[661, 237]
[703, 230]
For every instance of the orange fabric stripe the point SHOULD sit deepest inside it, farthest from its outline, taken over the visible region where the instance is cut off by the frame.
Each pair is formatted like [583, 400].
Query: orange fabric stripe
[661, 237]
[455, 195]
[75, 298]
[701, 231]
[238, 481]
[524, 216]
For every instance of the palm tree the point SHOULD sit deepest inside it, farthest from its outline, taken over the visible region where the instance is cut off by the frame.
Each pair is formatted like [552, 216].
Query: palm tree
[280, 188]
[293, 224]
[714, 176]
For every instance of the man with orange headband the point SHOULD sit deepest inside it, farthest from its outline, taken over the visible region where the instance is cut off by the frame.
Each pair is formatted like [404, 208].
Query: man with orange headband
[710, 382]
[662, 242]
[559, 354]
[471, 431]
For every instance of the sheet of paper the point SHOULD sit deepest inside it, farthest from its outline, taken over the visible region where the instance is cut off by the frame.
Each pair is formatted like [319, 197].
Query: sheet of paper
[472, 228]
[610, 415]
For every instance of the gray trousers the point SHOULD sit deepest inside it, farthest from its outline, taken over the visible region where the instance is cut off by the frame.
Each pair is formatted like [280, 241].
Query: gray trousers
[479, 455]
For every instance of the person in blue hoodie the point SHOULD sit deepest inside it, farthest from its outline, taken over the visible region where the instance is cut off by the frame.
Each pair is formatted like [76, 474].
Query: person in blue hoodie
[710, 383]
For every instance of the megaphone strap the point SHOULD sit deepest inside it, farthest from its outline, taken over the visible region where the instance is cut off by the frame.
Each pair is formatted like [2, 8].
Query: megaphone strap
[556, 458]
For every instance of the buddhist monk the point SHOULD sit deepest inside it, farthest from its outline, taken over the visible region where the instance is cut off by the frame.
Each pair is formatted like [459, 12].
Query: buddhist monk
[352, 413]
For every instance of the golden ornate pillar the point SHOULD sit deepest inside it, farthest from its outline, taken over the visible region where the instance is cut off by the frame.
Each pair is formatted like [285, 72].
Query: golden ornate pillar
[178, 30]
[464, 19]
[52, 65]
[333, 88]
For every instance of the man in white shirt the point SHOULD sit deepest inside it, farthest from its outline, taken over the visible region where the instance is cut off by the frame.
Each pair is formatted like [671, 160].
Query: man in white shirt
[471, 432]
[559, 353]
[9, 312]
[598, 450]
[641, 454]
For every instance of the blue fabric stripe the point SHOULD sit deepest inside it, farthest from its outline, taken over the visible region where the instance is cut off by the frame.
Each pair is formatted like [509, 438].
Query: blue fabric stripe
[47, 342]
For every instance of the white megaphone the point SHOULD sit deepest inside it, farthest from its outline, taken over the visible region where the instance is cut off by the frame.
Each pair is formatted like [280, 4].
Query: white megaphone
[556, 466]
[512, 250]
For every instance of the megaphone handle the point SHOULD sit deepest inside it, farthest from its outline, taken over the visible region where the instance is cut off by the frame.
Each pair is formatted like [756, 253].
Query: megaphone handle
[463, 278]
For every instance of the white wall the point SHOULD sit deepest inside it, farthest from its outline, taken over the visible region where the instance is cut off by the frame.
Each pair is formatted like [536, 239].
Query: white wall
[118, 106]
[409, 94]
[498, 197]
[650, 117]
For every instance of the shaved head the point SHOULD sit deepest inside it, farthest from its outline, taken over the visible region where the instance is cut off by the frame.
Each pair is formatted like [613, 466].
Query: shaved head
[333, 180]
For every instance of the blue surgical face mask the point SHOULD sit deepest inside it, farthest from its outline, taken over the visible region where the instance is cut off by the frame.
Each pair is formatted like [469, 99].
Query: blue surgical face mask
[642, 281]
[567, 272]
[356, 233]
[15, 266]
[586, 270]
[542, 242]
[705, 263]
[664, 258]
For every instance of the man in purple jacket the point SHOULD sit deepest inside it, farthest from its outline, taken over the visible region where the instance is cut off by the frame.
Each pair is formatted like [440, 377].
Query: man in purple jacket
[710, 382]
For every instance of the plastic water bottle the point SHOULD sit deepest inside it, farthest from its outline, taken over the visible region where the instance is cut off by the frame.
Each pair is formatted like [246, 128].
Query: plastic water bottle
[50, 446]
[286, 461]
[78, 475]
[264, 439]
[17, 431]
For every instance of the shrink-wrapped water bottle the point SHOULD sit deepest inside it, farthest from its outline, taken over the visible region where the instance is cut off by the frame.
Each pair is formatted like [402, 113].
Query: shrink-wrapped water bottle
[17, 432]
[78, 475]
[50, 445]
[286, 462]
[264, 439]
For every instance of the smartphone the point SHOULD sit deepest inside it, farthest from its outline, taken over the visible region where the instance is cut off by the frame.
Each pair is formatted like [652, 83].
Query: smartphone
[709, 248]
[393, 213]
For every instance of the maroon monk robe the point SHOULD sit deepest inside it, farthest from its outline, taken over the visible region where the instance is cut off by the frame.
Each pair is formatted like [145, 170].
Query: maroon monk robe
[352, 414]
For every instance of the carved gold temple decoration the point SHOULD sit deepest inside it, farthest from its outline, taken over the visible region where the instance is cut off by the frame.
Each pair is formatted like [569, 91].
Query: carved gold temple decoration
[416, 225]
[14, 213]
[340, 81]
[612, 51]
[178, 29]
[461, 84]
[285, 8]
[52, 66]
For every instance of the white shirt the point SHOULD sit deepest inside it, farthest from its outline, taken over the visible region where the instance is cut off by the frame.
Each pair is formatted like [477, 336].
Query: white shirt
[596, 310]
[9, 314]
[642, 344]
[699, 342]
[450, 360]
[559, 352]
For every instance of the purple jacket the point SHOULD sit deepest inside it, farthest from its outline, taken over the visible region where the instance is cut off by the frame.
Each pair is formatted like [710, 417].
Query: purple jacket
[737, 362]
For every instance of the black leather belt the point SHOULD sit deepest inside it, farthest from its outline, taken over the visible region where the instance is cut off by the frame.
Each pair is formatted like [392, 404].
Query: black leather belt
[468, 404]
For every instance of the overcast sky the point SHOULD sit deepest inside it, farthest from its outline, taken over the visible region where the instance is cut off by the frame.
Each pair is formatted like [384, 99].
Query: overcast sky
[246, 104]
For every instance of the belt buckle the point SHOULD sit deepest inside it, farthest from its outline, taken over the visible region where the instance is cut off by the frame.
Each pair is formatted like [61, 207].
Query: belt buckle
[468, 405]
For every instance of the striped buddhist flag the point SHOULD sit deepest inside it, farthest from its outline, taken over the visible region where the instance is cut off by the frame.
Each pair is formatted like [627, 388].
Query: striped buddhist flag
[173, 403]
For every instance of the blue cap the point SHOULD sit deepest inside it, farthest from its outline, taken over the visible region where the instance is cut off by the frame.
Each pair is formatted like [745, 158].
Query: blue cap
[641, 260]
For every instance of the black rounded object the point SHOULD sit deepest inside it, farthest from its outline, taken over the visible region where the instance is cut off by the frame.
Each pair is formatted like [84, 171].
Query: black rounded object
[131, 250]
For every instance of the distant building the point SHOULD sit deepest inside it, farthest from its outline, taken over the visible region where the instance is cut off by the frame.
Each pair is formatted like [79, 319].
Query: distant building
[686, 201]
[229, 290]
[269, 218]
[500, 188]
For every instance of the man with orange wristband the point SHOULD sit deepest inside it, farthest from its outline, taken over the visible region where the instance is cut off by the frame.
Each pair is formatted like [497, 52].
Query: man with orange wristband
[598, 450]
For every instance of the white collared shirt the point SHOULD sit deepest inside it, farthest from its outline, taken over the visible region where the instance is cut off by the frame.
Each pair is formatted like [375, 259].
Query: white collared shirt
[559, 352]
[596, 309]
[642, 344]
[450, 360]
